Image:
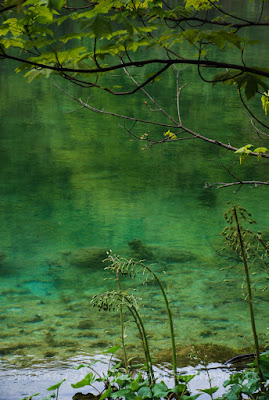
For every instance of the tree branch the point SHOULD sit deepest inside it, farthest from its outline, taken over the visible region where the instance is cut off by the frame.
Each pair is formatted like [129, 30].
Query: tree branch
[142, 63]
[175, 126]
[221, 185]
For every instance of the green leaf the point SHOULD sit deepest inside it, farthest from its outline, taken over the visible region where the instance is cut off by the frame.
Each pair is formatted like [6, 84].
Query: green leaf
[101, 26]
[106, 393]
[210, 390]
[134, 386]
[87, 381]
[144, 392]
[30, 398]
[112, 350]
[192, 35]
[180, 388]
[186, 378]
[86, 366]
[244, 152]
[56, 4]
[251, 88]
[265, 102]
[260, 151]
[224, 76]
[160, 390]
[264, 364]
[234, 379]
[54, 387]
[170, 135]
[191, 397]
[120, 393]
[200, 4]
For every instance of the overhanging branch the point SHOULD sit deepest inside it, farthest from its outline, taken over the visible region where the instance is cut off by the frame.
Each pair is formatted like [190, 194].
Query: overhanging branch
[142, 63]
[221, 185]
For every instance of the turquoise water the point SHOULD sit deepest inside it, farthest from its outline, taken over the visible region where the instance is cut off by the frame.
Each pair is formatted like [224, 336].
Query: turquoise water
[74, 185]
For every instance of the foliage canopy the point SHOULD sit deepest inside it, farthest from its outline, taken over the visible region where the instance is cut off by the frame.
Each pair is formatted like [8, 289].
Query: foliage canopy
[84, 41]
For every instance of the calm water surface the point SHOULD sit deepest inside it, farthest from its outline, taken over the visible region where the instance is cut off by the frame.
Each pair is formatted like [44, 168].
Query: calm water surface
[74, 185]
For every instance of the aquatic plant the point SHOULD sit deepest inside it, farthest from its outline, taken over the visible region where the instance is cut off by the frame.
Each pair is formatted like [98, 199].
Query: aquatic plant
[119, 385]
[244, 242]
[113, 300]
[131, 268]
[120, 382]
[246, 384]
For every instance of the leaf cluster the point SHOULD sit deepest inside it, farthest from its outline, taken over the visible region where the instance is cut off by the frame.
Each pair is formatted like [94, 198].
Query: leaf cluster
[110, 301]
[253, 242]
[120, 28]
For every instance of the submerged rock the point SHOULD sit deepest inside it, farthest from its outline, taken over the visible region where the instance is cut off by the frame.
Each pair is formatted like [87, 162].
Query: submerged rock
[2, 257]
[174, 255]
[193, 354]
[208, 197]
[36, 318]
[91, 257]
[159, 253]
[85, 324]
[140, 250]
[87, 257]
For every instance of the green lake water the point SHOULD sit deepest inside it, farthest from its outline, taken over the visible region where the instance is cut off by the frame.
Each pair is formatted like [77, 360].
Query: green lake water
[74, 182]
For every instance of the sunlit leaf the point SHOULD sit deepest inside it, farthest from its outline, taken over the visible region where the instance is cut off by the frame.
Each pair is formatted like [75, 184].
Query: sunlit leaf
[112, 350]
[56, 386]
[210, 390]
[87, 381]
[57, 4]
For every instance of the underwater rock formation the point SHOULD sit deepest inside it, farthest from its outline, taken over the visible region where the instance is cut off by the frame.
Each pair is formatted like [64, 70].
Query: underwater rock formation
[140, 250]
[91, 257]
[207, 198]
[193, 354]
[174, 255]
[2, 257]
[88, 258]
[146, 252]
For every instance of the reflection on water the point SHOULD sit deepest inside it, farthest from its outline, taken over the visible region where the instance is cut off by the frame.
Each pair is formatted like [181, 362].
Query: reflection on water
[72, 187]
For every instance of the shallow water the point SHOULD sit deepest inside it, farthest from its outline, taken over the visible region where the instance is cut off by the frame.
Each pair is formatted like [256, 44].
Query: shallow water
[75, 181]
[44, 376]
